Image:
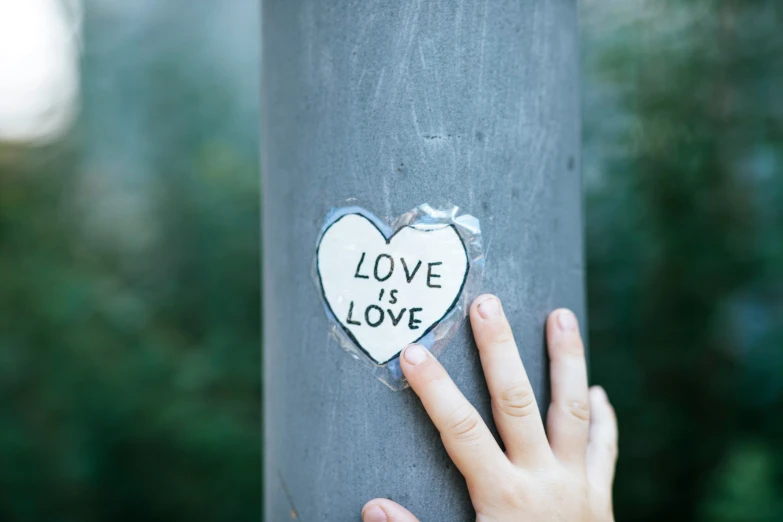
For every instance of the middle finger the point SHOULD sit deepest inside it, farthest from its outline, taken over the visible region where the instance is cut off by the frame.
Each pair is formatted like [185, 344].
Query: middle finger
[513, 402]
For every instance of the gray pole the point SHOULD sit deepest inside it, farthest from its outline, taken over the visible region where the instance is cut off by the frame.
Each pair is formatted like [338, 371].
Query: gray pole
[400, 103]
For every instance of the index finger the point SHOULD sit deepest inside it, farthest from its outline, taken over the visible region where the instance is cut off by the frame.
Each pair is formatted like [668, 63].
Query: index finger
[465, 435]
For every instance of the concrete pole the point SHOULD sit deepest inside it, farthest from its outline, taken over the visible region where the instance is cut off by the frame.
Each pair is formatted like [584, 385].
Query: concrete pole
[474, 103]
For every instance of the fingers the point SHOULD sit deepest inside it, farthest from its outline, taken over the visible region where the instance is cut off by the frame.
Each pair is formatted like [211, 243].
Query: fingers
[569, 413]
[602, 448]
[382, 510]
[513, 403]
[467, 439]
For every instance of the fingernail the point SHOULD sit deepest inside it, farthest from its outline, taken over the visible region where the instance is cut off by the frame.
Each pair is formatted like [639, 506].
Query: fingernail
[489, 308]
[415, 354]
[566, 320]
[374, 514]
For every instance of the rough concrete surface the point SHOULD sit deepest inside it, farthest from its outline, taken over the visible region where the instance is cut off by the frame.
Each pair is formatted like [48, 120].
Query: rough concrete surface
[474, 103]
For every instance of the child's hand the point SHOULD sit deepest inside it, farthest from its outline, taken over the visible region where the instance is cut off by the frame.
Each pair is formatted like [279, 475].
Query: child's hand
[565, 478]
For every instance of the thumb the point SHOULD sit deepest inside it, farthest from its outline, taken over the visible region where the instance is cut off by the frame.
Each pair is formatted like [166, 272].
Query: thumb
[383, 510]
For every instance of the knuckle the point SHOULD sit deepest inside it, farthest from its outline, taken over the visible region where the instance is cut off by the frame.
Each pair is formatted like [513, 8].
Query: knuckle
[502, 338]
[463, 423]
[572, 348]
[576, 349]
[579, 410]
[511, 495]
[518, 401]
[434, 380]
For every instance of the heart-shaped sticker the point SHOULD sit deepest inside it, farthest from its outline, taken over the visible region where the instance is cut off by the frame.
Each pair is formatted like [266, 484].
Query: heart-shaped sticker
[387, 290]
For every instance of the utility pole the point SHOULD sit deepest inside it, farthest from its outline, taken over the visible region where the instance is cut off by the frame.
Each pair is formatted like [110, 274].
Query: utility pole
[472, 103]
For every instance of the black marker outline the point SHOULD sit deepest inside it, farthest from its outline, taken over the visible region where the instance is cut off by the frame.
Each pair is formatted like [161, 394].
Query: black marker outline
[371, 218]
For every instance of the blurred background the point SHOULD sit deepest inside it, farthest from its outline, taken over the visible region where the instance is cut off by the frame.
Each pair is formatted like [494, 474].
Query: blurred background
[129, 256]
[129, 261]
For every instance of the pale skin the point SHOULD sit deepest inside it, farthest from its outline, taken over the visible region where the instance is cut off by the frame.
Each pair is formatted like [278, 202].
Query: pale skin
[561, 474]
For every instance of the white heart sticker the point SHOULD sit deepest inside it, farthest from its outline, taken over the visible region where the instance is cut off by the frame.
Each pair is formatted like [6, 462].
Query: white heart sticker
[388, 292]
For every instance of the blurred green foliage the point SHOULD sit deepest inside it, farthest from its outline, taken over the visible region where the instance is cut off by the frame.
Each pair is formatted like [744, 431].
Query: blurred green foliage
[130, 279]
[129, 269]
[684, 148]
